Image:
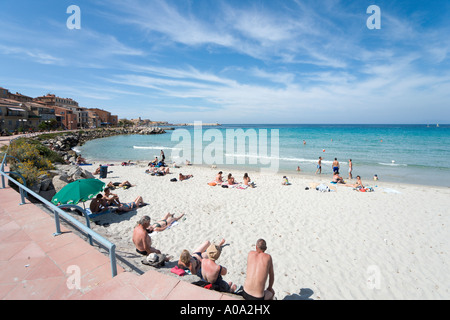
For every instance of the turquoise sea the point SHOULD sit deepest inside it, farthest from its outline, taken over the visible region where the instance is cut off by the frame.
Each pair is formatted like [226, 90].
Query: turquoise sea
[416, 154]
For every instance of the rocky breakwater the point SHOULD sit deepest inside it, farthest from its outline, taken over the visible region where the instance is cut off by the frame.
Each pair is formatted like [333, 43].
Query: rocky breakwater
[67, 172]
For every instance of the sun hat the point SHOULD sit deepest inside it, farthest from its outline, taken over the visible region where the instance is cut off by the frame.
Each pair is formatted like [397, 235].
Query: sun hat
[213, 252]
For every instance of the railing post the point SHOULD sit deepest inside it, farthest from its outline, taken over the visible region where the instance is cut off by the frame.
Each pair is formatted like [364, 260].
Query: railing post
[112, 258]
[58, 227]
[22, 196]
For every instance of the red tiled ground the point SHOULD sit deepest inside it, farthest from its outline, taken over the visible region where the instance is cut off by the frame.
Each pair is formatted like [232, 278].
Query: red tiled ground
[35, 264]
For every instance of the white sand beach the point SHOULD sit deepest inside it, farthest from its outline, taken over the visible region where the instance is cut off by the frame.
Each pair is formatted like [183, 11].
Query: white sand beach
[388, 244]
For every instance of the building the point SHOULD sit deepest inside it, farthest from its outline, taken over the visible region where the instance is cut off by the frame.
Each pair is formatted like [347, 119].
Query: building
[106, 118]
[13, 115]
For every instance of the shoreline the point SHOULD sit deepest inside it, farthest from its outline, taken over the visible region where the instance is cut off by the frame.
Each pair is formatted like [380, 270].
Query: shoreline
[323, 243]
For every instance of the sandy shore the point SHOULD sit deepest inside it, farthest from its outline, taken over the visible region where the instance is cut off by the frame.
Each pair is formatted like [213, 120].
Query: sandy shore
[388, 244]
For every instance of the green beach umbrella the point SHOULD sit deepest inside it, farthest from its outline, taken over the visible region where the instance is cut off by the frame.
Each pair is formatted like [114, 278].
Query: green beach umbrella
[79, 190]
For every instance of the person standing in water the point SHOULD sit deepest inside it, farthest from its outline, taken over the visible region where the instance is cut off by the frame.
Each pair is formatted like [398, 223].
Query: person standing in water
[319, 166]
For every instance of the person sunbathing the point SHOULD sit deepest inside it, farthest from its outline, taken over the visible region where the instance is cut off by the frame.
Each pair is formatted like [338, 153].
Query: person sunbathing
[111, 198]
[114, 185]
[212, 272]
[183, 177]
[337, 178]
[163, 224]
[230, 179]
[193, 262]
[98, 204]
[81, 160]
[358, 183]
[125, 207]
[219, 178]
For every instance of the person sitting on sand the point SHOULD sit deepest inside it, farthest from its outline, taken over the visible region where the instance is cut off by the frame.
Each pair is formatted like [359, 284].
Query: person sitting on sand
[141, 238]
[97, 171]
[125, 207]
[285, 181]
[182, 177]
[247, 181]
[98, 204]
[230, 179]
[259, 268]
[193, 262]
[81, 160]
[337, 178]
[111, 198]
[161, 225]
[125, 185]
[358, 183]
[153, 163]
[212, 272]
[219, 178]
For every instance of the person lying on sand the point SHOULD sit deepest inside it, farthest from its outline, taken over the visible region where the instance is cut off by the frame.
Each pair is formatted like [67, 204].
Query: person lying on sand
[141, 238]
[125, 207]
[182, 177]
[125, 185]
[158, 171]
[193, 262]
[212, 272]
[161, 225]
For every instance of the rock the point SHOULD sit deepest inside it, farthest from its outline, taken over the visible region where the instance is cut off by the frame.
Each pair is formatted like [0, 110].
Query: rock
[59, 182]
[46, 184]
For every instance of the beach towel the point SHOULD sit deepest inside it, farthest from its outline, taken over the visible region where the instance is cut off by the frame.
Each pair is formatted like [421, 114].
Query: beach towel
[178, 271]
[154, 233]
[95, 215]
[322, 188]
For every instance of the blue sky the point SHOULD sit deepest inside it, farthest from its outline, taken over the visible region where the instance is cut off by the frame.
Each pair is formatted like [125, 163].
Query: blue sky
[248, 61]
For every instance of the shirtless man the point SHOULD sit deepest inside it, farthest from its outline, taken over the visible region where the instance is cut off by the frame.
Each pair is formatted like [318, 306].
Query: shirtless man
[259, 268]
[141, 238]
[98, 205]
[212, 272]
[335, 165]
[319, 166]
[111, 198]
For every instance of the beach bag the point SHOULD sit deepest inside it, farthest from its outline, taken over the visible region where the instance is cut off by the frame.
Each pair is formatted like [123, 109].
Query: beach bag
[155, 260]
[173, 179]
[212, 184]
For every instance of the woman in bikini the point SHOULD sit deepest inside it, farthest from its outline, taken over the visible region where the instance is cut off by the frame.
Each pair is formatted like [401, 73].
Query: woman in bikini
[193, 262]
[164, 223]
[125, 207]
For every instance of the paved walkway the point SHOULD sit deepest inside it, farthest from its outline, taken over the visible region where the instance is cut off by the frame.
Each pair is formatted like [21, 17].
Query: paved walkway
[35, 264]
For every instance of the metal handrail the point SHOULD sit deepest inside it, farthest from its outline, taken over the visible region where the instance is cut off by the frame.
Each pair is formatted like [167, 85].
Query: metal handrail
[57, 212]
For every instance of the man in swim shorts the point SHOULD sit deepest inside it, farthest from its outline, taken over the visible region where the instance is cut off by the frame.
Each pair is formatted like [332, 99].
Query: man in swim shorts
[319, 166]
[259, 268]
[335, 165]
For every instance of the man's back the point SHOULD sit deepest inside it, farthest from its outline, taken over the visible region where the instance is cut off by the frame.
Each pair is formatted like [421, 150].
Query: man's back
[259, 266]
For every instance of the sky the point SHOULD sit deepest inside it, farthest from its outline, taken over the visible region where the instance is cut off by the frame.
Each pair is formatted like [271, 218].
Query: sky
[229, 61]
